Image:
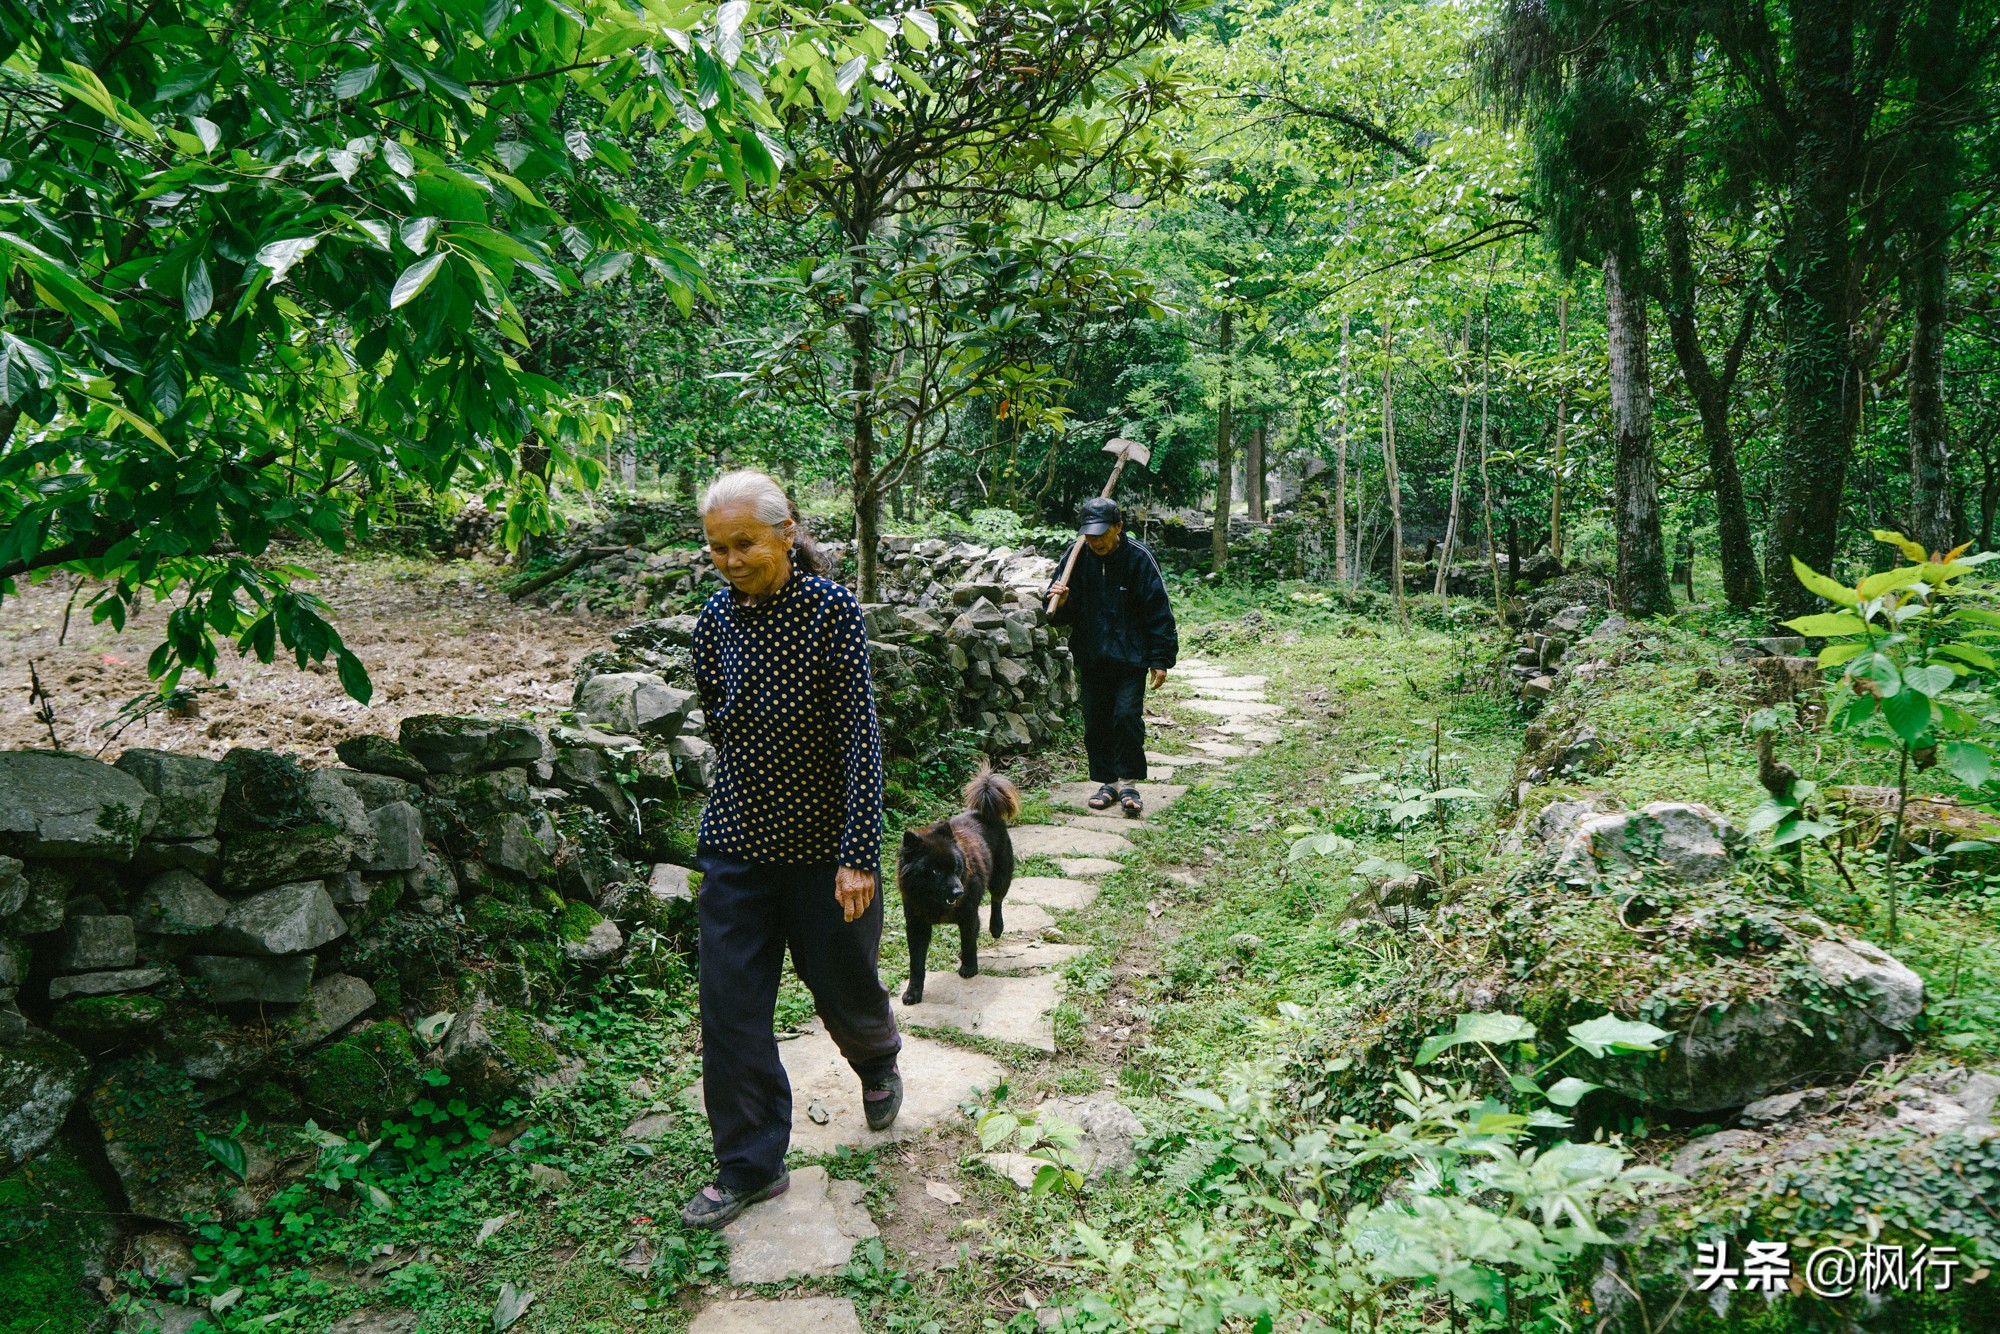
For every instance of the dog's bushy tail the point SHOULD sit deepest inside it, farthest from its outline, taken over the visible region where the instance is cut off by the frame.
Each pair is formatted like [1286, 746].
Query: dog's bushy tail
[991, 797]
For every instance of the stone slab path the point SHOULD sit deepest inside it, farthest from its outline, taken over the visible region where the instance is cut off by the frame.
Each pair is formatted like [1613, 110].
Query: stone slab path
[814, 1227]
[937, 1077]
[1020, 1010]
[1050, 840]
[1052, 892]
[799, 1315]
[810, 1229]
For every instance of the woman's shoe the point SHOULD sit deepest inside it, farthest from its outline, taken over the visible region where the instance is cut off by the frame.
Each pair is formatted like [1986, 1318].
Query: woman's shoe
[1104, 798]
[1131, 803]
[882, 1101]
[714, 1206]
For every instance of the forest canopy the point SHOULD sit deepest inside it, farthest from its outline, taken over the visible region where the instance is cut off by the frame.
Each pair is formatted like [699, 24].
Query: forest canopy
[1686, 290]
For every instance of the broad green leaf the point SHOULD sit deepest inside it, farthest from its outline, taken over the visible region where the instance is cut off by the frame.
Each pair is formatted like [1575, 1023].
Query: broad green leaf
[1569, 1090]
[356, 81]
[1969, 762]
[1875, 585]
[197, 295]
[996, 1128]
[400, 159]
[413, 280]
[1487, 1028]
[1908, 713]
[1969, 654]
[280, 256]
[1608, 1033]
[1831, 589]
[228, 1153]
[1047, 1177]
[1912, 550]
[354, 677]
[1352, 780]
[1971, 845]
[166, 384]
[1843, 651]
[1929, 680]
[495, 15]
[1769, 815]
[1828, 624]
[1879, 670]
[1799, 830]
[729, 30]
[416, 233]
[208, 132]
[920, 29]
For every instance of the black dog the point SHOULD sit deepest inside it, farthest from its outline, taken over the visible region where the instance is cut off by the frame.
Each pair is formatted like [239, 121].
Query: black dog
[945, 870]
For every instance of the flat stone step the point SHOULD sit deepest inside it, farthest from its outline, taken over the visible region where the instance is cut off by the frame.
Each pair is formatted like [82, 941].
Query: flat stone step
[794, 1315]
[1194, 667]
[1049, 840]
[1026, 956]
[1179, 761]
[1246, 696]
[1251, 732]
[1076, 796]
[1230, 682]
[1225, 749]
[1234, 708]
[1110, 824]
[1007, 1009]
[811, 1229]
[1076, 866]
[937, 1077]
[1052, 892]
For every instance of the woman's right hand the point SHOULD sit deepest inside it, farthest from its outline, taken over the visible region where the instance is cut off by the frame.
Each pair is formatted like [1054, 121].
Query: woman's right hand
[855, 890]
[1058, 590]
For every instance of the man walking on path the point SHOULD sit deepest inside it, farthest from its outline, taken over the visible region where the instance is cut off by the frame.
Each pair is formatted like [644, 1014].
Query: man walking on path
[1122, 632]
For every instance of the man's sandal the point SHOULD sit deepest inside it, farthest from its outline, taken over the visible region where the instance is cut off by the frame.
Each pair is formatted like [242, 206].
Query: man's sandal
[1131, 802]
[1104, 798]
[714, 1206]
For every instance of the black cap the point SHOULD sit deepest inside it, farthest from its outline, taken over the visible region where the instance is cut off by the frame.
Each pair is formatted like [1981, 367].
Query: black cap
[1097, 516]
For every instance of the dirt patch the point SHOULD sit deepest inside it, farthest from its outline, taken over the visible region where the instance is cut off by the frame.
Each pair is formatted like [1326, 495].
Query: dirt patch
[436, 636]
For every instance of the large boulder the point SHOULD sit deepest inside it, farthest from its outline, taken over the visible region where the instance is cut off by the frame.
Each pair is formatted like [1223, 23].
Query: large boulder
[189, 789]
[633, 702]
[337, 1000]
[493, 1052]
[452, 745]
[199, 857]
[1731, 1053]
[39, 1079]
[473, 799]
[13, 886]
[57, 805]
[49, 888]
[98, 942]
[368, 1075]
[286, 919]
[1676, 841]
[374, 790]
[106, 983]
[515, 845]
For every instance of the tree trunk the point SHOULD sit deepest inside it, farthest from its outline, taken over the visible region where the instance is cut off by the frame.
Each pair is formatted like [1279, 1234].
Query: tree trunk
[1562, 425]
[1642, 586]
[1485, 479]
[1709, 391]
[1225, 448]
[1393, 482]
[863, 487]
[1340, 468]
[1817, 384]
[1440, 585]
[1926, 232]
[1253, 474]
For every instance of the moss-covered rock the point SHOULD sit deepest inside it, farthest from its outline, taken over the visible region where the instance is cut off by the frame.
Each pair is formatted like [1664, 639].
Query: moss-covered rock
[575, 920]
[494, 915]
[493, 1052]
[264, 790]
[100, 1024]
[56, 1230]
[40, 1078]
[366, 1076]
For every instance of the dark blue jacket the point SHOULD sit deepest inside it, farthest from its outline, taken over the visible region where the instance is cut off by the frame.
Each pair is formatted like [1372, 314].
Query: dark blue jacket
[1117, 609]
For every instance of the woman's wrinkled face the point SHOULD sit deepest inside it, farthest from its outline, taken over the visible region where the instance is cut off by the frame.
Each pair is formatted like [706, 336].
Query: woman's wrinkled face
[1106, 542]
[754, 556]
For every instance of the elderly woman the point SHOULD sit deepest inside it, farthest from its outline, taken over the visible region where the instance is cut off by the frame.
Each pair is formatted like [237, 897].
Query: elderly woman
[790, 840]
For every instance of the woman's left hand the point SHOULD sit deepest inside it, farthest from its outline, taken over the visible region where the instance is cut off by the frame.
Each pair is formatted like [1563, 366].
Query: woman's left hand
[855, 890]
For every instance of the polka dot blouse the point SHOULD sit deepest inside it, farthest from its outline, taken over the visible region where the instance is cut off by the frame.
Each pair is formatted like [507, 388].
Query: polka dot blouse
[784, 685]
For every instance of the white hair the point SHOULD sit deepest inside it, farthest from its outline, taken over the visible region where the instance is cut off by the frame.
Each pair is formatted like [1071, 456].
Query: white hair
[761, 492]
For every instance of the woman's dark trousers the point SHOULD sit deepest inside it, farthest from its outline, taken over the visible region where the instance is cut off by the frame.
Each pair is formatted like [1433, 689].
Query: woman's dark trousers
[750, 913]
[1114, 720]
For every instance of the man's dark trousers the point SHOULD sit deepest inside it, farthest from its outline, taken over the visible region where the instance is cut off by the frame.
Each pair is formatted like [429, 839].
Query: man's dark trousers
[1114, 719]
[749, 914]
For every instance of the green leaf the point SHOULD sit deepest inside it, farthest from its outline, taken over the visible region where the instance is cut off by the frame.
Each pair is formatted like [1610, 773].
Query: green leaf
[280, 256]
[1828, 624]
[996, 1128]
[1909, 714]
[228, 1153]
[1928, 680]
[1831, 589]
[1769, 815]
[354, 677]
[1879, 670]
[1800, 830]
[1875, 585]
[1608, 1033]
[1971, 655]
[1569, 1091]
[920, 29]
[1047, 1176]
[1969, 762]
[1845, 650]
[495, 15]
[1912, 550]
[1971, 845]
[166, 384]
[413, 280]
[197, 295]
[356, 81]
[1354, 780]
[1487, 1028]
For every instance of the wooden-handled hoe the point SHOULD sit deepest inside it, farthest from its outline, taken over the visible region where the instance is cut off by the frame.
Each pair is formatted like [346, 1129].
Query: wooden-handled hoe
[1127, 451]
